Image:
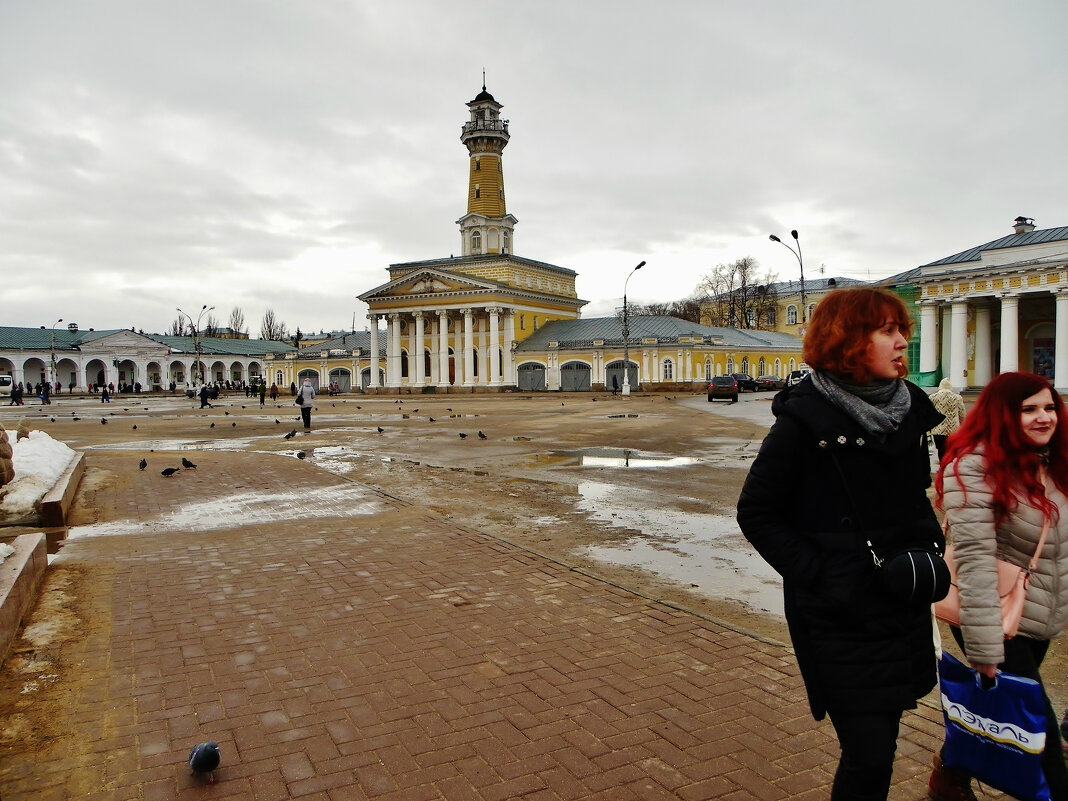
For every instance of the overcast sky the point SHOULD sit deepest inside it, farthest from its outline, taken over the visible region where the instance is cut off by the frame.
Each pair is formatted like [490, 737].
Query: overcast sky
[281, 154]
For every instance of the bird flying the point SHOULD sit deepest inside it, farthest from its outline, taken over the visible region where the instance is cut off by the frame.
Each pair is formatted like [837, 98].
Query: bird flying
[205, 758]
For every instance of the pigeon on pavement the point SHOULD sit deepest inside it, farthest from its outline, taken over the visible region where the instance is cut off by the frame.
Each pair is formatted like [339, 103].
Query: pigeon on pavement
[187, 464]
[143, 464]
[205, 758]
[482, 436]
[463, 435]
[291, 434]
[168, 471]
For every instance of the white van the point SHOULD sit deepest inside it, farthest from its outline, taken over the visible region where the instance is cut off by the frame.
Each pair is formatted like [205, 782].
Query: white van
[6, 384]
[797, 376]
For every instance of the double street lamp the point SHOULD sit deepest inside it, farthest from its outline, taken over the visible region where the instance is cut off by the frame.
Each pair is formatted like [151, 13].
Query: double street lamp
[57, 322]
[196, 338]
[626, 334]
[801, 264]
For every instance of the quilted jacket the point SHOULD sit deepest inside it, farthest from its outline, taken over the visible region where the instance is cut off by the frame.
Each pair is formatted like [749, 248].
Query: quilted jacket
[969, 508]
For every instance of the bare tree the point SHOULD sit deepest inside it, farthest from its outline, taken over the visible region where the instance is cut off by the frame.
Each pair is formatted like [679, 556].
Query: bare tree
[211, 326]
[686, 309]
[735, 296]
[177, 328]
[237, 322]
[272, 328]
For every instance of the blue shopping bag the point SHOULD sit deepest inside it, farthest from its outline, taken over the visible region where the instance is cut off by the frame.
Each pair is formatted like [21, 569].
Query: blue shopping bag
[996, 734]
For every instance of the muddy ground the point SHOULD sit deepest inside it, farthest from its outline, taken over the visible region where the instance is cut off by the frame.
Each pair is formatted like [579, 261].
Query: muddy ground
[525, 481]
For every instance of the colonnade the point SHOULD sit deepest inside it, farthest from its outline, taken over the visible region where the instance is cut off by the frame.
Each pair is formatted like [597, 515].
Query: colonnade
[486, 332]
[959, 345]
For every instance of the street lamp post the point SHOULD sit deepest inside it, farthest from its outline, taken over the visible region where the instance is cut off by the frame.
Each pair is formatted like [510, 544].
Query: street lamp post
[57, 322]
[626, 334]
[801, 264]
[196, 339]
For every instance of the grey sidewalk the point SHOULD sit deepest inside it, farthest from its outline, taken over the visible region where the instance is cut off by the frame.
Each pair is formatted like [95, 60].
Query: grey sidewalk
[394, 655]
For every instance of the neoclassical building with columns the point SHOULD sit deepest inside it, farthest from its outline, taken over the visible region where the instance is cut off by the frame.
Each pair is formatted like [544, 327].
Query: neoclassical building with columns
[997, 307]
[456, 322]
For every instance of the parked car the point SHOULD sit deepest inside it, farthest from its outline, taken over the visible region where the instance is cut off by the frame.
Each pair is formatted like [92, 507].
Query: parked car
[7, 383]
[796, 377]
[770, 382]
[723, 386]
[745, 382]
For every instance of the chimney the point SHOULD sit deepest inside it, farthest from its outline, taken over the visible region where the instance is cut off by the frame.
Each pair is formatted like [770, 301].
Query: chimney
[72, 326]
[1023, 225]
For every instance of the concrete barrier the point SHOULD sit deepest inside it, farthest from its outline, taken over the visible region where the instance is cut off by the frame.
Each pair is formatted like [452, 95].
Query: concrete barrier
[20, 579]
[57, 501]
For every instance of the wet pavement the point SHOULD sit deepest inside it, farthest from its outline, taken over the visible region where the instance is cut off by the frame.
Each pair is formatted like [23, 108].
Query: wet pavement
[340, 643]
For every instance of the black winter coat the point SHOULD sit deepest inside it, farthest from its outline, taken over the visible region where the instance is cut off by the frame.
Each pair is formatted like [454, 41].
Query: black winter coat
[859, 649]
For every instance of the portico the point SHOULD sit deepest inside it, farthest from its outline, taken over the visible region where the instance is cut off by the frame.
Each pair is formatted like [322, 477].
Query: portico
[996, 308]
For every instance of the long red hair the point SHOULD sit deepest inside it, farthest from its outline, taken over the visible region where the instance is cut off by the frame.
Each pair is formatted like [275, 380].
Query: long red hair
[1012, 462]
[838, 339]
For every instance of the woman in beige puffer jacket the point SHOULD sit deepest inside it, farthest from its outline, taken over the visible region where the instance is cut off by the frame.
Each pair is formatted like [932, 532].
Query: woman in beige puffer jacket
[1005, 473]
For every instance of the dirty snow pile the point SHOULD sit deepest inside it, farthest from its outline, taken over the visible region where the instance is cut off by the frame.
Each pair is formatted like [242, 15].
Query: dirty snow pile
[5, 551]
[39, 461]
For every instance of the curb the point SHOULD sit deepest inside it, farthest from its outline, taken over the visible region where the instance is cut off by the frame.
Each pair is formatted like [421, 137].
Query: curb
[20, 579]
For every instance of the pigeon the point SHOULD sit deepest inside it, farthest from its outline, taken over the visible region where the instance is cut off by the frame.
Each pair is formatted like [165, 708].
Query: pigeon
[359, 407]
[212, 425]
[233, 425]
[103, 421]
[205, 758]
[143, 464]
[301, 454]
[54, 420]
[276, 420]
[226, 413]
[135, 426]
[482, 436]
[291, 434]
[448, 410]
[431, 419]
[168, 471]
[380, 429]
[463, 435]
[188, 464]
[76, 418]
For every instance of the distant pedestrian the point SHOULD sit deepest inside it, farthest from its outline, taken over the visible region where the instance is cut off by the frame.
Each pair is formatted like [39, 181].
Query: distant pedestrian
[615, 384]
[307, 401]
[105, 395]
[263, 392]
[951, 404]
[204, 396]
[274, 392]
[292, 388]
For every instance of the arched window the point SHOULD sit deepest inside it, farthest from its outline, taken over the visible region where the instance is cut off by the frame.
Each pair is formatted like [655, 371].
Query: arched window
[745, 365]
[730, 365]
[669, 369]
[791, 315]
[762, 367]
[708, 369]
[770, 318]
[793, 365]
[478, 191]
[478, 164]
[507, 242]
[522, 322]
[778, 368]
[476, 241]
[811, 308]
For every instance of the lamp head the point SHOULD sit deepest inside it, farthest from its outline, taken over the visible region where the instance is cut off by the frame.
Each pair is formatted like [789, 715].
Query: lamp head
[774, 238]
[793, 234]
[640, 266]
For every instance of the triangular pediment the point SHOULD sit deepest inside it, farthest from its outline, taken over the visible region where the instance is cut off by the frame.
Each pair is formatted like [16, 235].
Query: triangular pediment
[124, 340]
[423, 283]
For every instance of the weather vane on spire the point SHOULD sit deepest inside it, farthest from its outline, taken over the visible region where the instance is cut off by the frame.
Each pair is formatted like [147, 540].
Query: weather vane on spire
[483, 79]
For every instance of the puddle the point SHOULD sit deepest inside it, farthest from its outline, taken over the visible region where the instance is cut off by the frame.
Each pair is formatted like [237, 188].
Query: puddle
[609, 457]
[705, 551]
[250, 508]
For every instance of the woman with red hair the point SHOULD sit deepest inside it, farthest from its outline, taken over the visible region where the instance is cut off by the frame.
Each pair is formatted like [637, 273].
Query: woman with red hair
[1004, 478]
[839, 485]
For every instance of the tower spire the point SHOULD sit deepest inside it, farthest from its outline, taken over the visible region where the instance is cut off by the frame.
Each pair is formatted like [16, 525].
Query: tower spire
[487, 227]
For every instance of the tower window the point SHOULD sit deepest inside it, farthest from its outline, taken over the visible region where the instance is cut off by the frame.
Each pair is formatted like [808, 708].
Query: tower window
[508, 244]
[476, 242]
[478, 192]
[478, 165]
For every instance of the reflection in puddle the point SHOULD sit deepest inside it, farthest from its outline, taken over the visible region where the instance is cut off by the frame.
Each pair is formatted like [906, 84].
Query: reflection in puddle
[609, 457]
[706, 551]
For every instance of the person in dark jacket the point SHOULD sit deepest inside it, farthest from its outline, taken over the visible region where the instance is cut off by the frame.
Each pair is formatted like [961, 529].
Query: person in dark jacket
[844, 465]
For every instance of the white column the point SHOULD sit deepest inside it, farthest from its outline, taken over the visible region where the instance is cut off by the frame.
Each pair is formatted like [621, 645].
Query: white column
[420, 364]
[945, 340]
[928, 337]
[509, 337]
[959, 344]
[984, 356]
[469, 348]
[1060, 352]
[373, 383]
[393, 351]
[494, 346]
[443, 348]
[1010, 334]
[483, 350]
[411, 350]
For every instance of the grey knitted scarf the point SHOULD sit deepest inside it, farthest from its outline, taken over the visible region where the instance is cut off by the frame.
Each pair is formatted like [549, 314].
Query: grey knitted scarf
[879, 407]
